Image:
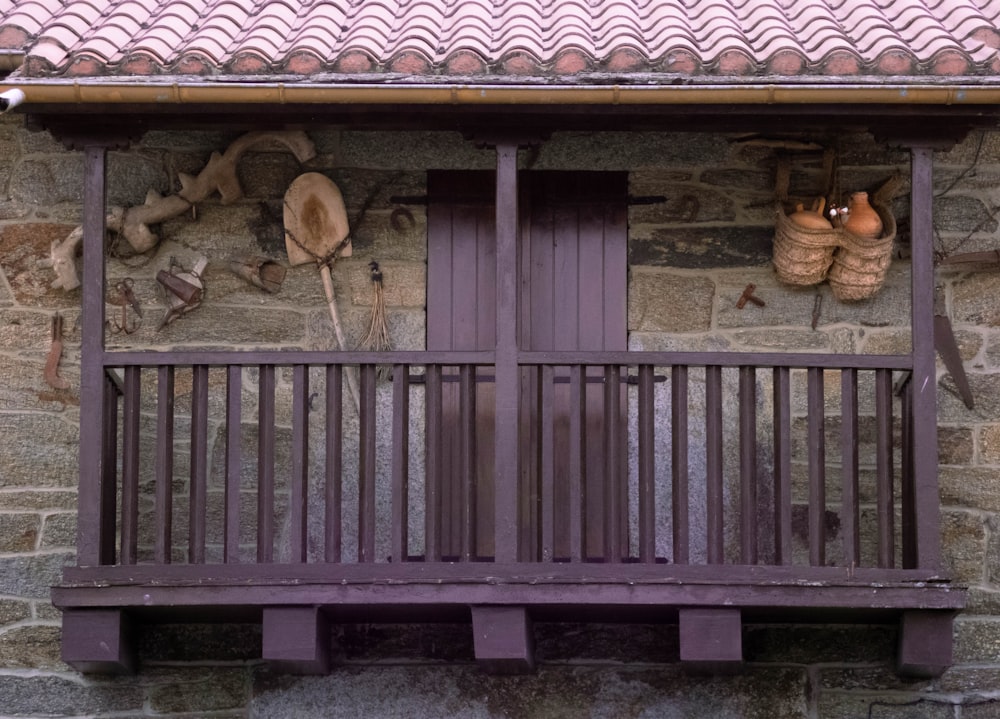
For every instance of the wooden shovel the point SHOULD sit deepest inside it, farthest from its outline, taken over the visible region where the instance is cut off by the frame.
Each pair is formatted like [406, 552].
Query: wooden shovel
[316, 230]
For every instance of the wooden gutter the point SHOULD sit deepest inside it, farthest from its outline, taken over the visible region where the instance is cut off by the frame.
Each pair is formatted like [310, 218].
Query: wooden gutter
[157, 92]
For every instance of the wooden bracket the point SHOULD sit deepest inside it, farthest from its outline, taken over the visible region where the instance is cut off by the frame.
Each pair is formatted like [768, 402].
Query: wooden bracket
[297, 639]
[711, 640]
[925, 643]
[504, 641]
[98, 641]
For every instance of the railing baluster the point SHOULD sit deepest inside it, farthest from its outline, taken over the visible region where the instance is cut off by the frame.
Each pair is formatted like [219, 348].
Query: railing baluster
[297, 510]
[333, 494]
[400, 462]
[234, 412]
[366, 442]
[748, 464]
[817, 468]
[647, 466]
[782, 466]
[467, 405]
[713, 465]
[577, 461]
[164, 472]
[613, 549]
[547, 473]
[908, 490]
[108, 508]
[679, 463]
[265, 465]
[849, 510]
[199, 464]
[883, 467]
[433, 460]
[130, 465]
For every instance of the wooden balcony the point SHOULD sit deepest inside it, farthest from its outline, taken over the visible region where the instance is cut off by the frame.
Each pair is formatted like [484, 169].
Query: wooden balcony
[302, 488]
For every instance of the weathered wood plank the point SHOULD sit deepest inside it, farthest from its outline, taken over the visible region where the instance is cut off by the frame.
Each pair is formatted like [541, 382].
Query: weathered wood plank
[715, 526]
[679, 463]
[265, 465]
[333, 490]
[883, 468]
[164, 472]
[399, 546]
[748, 464]
[850, 527]
[298, 519]
[816, 437]
[647, 466]
[198, 514]
[782, 466]
[366, 466]
[131, 404]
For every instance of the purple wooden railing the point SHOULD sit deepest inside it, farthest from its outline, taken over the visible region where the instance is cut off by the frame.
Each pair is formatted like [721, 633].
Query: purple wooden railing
[707, 459]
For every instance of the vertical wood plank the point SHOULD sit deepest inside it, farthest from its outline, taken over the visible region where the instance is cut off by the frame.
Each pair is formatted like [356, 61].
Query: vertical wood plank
[199, 465]
[713, 464]
[234, 413]
[467, 422]
[506, 463]
[647, 466]
[95, 544]
[577, 462]
[909, 499]
[679, 463]
[400, 462]
[108, 511]
[849, 509]
[817, 467]
[883, 467]
[547, 468]
[925, 458]
[366, 442]
[164, 472]
[333, 491]
[130, 465]
[614, 551]
[298, 519]
[433, 464]
[748, 464]
[265, 465]
[782, 466]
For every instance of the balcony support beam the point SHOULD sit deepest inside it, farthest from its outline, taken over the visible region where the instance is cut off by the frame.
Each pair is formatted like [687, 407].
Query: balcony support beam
[711, 640]
[504, 640]
[296, 639]
[98, 641]
[925, 643]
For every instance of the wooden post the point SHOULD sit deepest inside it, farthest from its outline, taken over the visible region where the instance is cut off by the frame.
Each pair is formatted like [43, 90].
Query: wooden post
[925, 643]
[503, 639]
[97, 641]
[711, 640]
[96, 521]
[296, 639]
[927, 512]
[506, 461]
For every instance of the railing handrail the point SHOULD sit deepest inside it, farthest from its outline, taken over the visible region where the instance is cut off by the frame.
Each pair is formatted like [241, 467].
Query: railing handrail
[287, 358]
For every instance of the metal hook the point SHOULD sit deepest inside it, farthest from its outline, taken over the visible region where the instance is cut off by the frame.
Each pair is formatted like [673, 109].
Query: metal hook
[127, 298]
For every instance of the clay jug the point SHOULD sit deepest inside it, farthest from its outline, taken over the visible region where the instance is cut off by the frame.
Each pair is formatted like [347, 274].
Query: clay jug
[811, 219]
[863, 220]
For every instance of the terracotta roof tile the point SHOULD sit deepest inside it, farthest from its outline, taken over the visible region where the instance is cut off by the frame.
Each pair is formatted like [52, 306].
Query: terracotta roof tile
[536, 37]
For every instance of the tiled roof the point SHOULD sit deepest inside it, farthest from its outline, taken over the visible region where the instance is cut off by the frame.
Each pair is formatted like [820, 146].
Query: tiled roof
[497, 38]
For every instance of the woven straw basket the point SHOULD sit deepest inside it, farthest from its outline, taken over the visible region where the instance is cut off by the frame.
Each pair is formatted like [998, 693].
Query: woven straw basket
[855, 266]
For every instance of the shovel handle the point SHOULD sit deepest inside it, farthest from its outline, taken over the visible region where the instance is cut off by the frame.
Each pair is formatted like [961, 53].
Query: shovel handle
[338, 328]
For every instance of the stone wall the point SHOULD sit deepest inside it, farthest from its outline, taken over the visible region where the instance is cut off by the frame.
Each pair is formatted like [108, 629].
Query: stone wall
[691, 256]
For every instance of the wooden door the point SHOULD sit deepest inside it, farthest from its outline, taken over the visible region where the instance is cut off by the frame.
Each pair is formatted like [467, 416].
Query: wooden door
[573, 276]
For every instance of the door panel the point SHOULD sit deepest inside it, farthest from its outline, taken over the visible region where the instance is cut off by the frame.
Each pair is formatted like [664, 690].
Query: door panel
[572, 297]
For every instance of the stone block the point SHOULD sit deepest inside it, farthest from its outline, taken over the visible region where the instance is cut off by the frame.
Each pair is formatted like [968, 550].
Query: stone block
[266, 174]
[851, 705]
[48, 180]
[38, 450]
[885, 342]
[782, 340]
[974, 488]
[630, 151]
[14, 610]
[411, 151]
[963, 546]
[21, 246]
[558, 692]
[739, 179]
[682, 204]
[993, 550]
[702, 247]
[663, 302]
[785, 306]
[33, 646]
[134, 173]
[31, 577]
[59, 531]
[404, 285]
[962, 213]
[955, 445]
[206, 689]
[985, 391]
[19, 532]
[56, 695]
[24, 388]
[972, 300]
[31, 500]
[977, 640]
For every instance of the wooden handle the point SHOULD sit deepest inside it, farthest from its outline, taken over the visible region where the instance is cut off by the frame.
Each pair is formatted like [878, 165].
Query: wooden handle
[338, 328]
